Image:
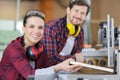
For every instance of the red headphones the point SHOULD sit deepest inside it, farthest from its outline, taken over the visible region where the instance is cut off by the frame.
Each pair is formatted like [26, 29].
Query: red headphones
[33, 52]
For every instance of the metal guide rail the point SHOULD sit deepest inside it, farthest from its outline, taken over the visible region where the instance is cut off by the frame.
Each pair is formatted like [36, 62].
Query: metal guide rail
[88, 77]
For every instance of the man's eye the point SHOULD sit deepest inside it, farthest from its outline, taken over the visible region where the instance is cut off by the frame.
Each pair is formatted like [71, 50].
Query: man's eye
[82, 13]
[76, 11]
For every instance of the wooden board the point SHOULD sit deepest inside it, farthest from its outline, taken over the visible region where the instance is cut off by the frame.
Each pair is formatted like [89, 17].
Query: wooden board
[94, 67]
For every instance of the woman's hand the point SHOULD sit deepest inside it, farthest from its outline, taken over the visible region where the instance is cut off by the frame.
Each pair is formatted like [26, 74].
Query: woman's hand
[67, 67]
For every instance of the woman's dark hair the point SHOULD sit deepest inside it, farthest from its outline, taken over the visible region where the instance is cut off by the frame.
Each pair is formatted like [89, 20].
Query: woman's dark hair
[31, 13]
[79, 3]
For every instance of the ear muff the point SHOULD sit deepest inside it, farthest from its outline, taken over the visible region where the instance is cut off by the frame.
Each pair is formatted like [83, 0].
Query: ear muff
[73, 30]
[32, 52]
[77, 31]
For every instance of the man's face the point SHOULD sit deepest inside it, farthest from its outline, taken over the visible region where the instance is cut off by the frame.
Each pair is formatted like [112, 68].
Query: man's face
[76, 15]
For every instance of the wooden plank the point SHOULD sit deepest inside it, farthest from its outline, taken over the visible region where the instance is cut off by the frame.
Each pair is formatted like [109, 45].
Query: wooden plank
[93, 66]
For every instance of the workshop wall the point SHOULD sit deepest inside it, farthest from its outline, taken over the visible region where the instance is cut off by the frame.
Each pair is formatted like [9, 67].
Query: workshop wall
[99, 9]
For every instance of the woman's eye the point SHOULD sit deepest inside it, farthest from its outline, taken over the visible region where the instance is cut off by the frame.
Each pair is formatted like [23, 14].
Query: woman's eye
[31, 26]
[40, 27]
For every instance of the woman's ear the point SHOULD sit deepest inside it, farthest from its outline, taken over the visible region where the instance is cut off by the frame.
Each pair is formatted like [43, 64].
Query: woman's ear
[23, 29]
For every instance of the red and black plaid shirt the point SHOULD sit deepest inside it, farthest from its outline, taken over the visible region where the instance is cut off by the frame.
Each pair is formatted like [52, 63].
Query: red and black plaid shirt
[15, 65]
[55, 36]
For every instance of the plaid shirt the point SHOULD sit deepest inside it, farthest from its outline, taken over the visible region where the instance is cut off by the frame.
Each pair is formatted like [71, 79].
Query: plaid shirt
[15, 65]
[55, 37]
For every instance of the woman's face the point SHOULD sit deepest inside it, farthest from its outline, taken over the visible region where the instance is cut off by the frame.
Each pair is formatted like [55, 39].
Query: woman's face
[33, 30]
[77, 14]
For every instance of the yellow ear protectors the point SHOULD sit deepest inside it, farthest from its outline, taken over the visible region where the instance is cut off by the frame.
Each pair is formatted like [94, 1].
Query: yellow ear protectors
[73, 30]
[77, 31]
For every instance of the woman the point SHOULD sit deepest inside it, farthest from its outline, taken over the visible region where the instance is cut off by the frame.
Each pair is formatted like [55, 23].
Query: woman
[25, 55]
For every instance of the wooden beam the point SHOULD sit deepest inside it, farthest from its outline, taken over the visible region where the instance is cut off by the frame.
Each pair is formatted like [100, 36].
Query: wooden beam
[93, 66]
[47, 7]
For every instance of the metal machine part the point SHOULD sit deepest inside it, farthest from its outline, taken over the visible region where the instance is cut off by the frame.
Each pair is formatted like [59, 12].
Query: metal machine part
[102, 35]
[107, 39]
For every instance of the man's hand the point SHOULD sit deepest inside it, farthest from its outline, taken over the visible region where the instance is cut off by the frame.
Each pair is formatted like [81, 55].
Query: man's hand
[79, 57]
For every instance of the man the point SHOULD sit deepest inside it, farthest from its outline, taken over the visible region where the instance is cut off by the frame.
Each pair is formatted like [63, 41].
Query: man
[63, 37]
